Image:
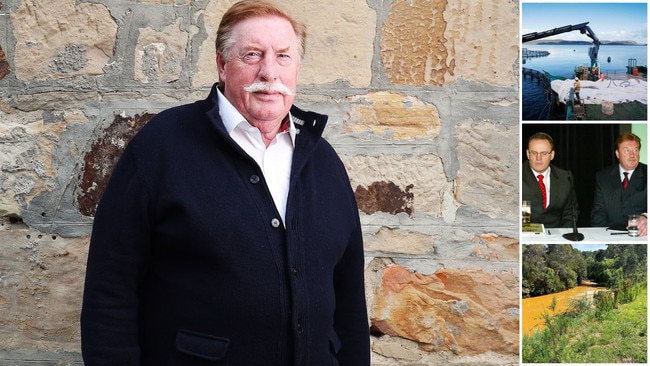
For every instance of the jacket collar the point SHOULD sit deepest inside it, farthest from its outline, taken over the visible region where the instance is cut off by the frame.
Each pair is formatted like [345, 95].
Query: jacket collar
[309, 125]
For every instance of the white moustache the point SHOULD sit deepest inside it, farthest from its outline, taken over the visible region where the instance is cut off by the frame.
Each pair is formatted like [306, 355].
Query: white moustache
[276, 87]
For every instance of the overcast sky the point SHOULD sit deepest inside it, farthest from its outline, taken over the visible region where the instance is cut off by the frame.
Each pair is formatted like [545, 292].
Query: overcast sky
[589, 247]
[609, 21]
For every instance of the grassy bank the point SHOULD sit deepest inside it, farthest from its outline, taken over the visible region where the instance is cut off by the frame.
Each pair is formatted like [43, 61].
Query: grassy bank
[591, 333]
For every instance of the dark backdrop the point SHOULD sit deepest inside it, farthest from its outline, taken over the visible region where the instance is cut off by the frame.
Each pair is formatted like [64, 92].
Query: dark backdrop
[583, 149]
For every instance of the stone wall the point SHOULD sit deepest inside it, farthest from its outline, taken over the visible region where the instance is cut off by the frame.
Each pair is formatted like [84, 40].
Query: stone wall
[423, 104]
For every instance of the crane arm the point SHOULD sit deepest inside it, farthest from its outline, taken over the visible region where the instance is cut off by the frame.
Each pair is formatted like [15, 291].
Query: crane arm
[582, 27]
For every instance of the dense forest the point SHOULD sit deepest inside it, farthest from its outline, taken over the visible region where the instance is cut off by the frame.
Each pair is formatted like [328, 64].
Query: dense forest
[553, 268]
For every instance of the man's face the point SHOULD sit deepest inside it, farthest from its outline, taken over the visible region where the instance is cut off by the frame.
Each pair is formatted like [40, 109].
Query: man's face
[539, 155]
[265, 50]
[628, 154]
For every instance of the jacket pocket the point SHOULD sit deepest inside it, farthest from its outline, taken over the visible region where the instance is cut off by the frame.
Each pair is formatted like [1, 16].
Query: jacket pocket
[335, 342]
[200, 345]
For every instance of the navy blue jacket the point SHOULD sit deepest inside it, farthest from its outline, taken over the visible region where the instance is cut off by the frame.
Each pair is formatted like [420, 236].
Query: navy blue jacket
[612, 204]
[189, 263]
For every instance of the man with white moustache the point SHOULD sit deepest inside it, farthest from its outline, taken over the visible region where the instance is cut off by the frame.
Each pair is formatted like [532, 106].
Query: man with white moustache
[229, 233]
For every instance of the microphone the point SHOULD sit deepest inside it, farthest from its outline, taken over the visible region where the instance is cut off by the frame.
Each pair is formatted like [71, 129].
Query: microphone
[575, 235]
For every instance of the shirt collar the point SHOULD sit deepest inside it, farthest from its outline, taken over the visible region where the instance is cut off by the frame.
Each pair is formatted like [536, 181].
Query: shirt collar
[544, 173]
[232, 118]
[621, 171]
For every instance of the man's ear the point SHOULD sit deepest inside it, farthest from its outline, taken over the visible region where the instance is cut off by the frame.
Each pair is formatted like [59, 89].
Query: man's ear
[221, 67]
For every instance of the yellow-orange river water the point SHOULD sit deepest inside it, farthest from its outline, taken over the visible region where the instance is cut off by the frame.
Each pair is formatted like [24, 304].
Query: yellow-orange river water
[532, 308]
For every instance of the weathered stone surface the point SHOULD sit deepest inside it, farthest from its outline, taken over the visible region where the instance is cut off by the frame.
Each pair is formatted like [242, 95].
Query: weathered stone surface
[339, 41]
[40, 289]
[168, 2]
[494, 247]
[466, 312]
[102, 157]
[389, 240]
[422, 98]
[420, 56]
[27, 143]
[444, 42]
[423, 174]
[393, 115]
[484, 37]
[384, 197]
[4, 65]
[159, 56]
[395, 351]
[489, 173]
[62, 39]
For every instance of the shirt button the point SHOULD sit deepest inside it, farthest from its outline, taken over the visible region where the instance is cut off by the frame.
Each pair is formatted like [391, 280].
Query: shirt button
[254, 179]
[275, 223]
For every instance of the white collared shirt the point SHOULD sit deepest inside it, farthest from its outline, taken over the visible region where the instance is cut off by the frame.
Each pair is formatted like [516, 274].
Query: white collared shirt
[547, 183]
[274, 160]
[621, 171]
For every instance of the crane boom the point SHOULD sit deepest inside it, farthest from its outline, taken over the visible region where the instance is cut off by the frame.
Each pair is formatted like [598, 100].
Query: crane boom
[582, 27]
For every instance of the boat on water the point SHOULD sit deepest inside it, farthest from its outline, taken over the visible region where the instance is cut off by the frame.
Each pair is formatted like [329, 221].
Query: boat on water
[589, 94]
[600, 99]
[616, 97]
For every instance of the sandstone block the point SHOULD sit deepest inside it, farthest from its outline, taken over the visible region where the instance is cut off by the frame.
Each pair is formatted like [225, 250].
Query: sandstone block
[389, 240]
[168, 2]
[58, 39]
[41, 283]
[446, 41]
[420, 179]
[489, 168]
[339, 41]
[27, 144]
[467, 312]
[160, 55]
[393, 115]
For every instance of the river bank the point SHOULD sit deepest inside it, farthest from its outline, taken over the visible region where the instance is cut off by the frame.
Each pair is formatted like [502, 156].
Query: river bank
[592, 335]
[532, 308]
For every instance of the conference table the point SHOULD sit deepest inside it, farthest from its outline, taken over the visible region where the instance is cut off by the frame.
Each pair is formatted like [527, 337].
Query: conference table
[593, 235]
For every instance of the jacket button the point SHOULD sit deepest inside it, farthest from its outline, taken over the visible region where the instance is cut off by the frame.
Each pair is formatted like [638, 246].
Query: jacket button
[254, 179]
[275, 223]
[299, 327]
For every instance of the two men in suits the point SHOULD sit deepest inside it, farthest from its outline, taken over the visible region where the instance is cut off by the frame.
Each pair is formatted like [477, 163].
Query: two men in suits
[621, 189]
[548, 188]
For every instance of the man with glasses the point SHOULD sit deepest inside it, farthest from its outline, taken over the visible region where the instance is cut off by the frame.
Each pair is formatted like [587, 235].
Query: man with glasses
[621, 189]
[548, 188]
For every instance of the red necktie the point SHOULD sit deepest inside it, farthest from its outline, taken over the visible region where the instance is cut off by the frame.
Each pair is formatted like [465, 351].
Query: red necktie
[542, 187]
[625, 181]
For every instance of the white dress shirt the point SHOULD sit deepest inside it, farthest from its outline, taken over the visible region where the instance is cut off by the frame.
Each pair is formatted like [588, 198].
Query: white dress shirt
[274, 160]
[621, 171]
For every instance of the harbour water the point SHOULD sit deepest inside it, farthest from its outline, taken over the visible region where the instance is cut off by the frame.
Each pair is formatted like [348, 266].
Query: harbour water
[562, 60]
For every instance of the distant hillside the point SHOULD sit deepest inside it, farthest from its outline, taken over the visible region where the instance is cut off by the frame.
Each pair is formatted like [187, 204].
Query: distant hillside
[582, 43]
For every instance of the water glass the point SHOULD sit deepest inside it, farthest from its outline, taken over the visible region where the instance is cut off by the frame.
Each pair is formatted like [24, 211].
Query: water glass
[632, 229]
[525, 212]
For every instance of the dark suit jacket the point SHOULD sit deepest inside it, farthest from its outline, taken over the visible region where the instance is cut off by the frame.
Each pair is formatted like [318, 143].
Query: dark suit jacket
[611, 203]
[559, 213]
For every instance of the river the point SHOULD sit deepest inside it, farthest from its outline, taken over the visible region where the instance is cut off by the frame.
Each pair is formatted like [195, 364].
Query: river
[533, 307]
